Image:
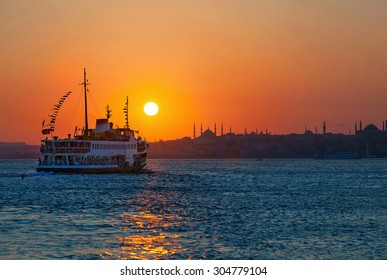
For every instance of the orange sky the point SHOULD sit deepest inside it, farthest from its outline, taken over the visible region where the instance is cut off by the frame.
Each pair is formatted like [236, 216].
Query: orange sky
[281, 65]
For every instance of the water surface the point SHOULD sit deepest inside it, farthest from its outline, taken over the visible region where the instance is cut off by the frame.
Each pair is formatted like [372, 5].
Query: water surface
[198, 209]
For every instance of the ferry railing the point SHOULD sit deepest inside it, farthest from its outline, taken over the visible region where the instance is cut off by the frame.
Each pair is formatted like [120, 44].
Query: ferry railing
[65, 150]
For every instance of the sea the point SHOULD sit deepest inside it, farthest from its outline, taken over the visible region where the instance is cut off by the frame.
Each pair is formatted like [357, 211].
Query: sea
[296, 209]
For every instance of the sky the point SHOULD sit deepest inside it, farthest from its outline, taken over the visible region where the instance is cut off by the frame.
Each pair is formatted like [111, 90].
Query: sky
[276, 64]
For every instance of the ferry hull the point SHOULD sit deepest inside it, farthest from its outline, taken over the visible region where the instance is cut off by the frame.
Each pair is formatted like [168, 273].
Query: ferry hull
[91, 170]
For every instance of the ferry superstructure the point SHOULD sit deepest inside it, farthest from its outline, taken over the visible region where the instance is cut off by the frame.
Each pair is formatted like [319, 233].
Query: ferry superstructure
[104, 149]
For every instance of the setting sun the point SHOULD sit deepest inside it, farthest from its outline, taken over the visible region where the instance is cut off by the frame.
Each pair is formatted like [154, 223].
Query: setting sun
[151, 108]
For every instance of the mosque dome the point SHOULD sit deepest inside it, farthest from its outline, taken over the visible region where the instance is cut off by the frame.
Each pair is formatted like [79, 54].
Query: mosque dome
[371, 127]
[208, 134]
[308, 132]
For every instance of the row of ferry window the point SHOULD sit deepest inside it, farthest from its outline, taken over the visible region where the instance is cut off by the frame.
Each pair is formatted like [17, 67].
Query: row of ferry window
[112, 146]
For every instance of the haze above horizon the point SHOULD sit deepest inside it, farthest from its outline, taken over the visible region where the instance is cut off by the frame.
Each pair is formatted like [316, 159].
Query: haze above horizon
[281, 65]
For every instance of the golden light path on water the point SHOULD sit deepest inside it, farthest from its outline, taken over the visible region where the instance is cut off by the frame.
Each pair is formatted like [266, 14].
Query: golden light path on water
[146, 235]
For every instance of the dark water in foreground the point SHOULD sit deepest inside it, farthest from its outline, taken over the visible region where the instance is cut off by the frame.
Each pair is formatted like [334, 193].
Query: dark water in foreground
[272, 209]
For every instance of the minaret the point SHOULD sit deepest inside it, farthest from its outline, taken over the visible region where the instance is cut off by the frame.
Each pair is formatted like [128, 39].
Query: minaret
[245, 131]
[221, 129]
[383, 126]
[230, 129]
[355, 128]
[324, 128]
[201, 129]
[215, 129]
[194, 131]
[361, 126]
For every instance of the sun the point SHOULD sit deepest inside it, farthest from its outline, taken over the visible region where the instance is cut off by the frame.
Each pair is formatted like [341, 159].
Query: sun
[151, 108]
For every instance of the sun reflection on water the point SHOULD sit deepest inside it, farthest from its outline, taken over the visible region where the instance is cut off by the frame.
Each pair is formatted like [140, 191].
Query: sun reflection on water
[144, 235]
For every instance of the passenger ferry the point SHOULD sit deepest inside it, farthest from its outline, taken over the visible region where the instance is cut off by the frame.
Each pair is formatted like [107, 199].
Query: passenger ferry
[101, 150]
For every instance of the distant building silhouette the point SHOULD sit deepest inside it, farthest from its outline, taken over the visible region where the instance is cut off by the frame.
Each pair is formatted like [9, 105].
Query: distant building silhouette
[370, 130]
[368, 142]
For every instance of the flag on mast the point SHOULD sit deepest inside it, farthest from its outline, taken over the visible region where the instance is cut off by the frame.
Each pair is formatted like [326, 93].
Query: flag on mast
[46, 131]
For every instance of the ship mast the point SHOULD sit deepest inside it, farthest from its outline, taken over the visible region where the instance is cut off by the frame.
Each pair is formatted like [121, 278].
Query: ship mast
[126, 111]
[85, 84]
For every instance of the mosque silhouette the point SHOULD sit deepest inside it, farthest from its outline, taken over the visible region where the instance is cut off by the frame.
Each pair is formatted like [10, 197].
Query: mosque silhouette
[369, 142]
